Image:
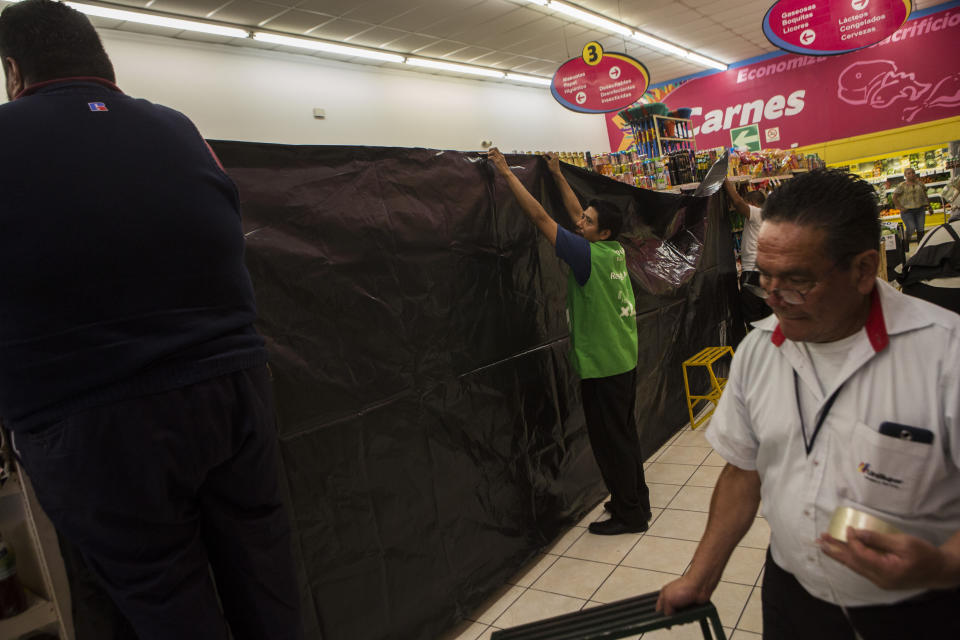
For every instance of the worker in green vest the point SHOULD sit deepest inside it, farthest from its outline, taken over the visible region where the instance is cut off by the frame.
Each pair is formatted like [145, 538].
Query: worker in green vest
[603, 338]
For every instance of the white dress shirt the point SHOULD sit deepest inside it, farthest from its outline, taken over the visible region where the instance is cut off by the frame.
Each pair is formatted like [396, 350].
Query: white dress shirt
[748, 240]
[903, 367]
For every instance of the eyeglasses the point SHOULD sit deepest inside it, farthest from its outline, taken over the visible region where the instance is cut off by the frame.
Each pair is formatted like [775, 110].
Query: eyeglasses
[792, 295]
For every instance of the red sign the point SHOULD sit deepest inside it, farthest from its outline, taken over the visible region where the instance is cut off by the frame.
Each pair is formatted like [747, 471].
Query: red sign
[831, 27]
[599, 82]
[909, 78]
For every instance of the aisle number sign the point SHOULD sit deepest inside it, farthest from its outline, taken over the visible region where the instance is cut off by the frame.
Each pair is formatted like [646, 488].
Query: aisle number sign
[746, 138]
[831, 27]
[599, 82]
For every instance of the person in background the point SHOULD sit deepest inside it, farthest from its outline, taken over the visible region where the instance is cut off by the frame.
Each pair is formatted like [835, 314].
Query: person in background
[603, 337]
[131, 376]
[910, 197]
[754, 307]
[848, 396]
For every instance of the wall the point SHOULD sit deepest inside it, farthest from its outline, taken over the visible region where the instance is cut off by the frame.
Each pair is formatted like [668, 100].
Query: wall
[240, 93]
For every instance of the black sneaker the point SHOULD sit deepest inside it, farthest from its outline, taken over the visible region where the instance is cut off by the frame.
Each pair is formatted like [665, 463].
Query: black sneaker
[615, 526]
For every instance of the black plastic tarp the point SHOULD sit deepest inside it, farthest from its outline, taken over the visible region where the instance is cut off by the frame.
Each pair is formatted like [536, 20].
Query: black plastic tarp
[431, 431]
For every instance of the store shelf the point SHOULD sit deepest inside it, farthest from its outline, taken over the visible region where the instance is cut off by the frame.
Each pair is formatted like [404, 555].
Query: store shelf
[785, 176]
[925, 172]
[676, 139]
[736, 179]
[10, 488]
[40, 613]
[928, 185]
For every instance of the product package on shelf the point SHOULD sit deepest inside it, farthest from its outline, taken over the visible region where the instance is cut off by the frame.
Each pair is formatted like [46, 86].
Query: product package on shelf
[576, 158]
[771, 163]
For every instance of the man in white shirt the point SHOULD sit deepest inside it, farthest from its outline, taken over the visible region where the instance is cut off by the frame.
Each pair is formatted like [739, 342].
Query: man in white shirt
[849, 396]
[754, 307]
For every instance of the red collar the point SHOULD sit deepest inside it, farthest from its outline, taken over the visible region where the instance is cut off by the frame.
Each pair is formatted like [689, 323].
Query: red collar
[40, 85]
[876, 327]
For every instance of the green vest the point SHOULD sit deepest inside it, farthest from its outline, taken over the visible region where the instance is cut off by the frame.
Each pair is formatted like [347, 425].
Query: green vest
[602, 314]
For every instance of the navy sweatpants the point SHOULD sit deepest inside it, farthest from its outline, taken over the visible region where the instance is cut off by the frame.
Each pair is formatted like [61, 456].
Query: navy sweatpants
[157, 490]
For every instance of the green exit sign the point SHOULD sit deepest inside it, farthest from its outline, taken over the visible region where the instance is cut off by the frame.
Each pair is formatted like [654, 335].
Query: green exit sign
[747, 137]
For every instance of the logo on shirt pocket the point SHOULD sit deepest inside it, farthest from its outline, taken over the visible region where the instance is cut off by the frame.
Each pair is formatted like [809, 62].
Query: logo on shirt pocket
[882, 473]
[880, 478]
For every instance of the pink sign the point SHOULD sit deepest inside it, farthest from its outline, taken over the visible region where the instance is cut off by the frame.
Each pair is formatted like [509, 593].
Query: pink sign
[909, 78]
[599, 82]
[830, 27]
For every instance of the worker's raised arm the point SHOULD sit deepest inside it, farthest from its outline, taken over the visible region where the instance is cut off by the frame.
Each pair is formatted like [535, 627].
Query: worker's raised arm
[528, 203]
[738, 202]
[570, 201]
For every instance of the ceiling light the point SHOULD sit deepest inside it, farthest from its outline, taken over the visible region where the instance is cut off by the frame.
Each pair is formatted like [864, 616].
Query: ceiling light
[591, 18]
[657, 43]
[159, 21]
[456, 68]
[696, 57]
[327, 47]
[519, 77]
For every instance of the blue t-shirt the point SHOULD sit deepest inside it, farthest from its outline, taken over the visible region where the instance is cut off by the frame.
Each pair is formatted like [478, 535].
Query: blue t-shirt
[575, 251]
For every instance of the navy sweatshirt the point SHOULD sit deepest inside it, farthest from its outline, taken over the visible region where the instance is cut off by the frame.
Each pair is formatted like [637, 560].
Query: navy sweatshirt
[121, 254]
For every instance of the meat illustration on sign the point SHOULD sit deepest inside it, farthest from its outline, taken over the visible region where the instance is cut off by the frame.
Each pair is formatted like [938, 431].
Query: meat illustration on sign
[880, 84]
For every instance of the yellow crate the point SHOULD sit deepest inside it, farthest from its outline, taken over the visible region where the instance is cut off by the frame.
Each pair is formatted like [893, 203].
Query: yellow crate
[705, 358]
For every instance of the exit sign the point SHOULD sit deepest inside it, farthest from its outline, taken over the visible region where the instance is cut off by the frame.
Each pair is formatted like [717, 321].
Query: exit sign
[747, 137]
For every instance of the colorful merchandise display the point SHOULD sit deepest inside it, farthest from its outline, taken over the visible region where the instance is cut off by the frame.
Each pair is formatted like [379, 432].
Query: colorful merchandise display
[932, 164]
[771, 163]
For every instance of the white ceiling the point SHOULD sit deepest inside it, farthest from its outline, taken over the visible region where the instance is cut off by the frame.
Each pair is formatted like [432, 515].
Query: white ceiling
[503, 34]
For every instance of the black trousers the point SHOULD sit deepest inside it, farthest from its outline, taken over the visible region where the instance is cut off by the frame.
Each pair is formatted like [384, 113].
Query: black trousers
[154, 492]
[95, 615]
[791, 613]
[754, 307]
[608, 405]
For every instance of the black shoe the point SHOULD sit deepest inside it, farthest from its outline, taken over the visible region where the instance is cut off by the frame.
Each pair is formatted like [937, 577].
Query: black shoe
[607, 507]
[615, 526]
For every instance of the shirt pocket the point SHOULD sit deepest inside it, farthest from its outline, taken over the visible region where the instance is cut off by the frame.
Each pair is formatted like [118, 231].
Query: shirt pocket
[883, 473]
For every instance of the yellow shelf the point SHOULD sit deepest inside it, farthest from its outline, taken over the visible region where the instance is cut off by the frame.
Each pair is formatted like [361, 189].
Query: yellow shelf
[706, 358]
[883, 144]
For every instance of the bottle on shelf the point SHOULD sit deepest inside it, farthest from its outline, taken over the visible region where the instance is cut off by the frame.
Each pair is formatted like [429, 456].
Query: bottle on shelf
[13, 599]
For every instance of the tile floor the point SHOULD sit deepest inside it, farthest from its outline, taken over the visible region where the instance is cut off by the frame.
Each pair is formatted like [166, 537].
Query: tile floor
[582, 570]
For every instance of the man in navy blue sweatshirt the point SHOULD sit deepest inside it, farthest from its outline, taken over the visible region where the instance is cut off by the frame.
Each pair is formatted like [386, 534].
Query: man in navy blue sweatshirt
[131, 376]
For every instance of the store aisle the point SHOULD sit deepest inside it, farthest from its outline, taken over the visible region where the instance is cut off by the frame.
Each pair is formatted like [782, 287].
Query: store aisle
[582, 570]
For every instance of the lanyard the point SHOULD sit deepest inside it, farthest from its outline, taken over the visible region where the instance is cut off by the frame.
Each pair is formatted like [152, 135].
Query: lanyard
[823, 414]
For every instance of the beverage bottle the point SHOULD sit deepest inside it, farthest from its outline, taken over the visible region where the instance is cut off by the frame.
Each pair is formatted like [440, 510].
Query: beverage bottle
[13, 599]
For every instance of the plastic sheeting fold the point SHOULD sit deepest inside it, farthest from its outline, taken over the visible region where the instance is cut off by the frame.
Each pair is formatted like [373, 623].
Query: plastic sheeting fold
[431, 431]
